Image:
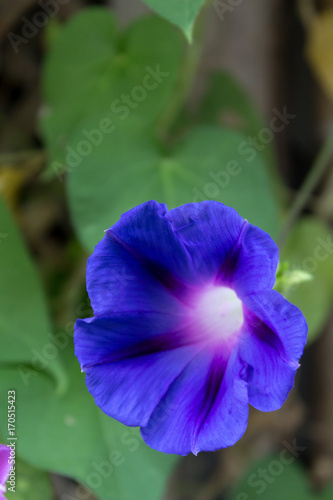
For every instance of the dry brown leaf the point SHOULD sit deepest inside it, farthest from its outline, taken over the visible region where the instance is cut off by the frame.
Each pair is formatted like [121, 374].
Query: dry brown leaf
[320, 49]
[14, 174]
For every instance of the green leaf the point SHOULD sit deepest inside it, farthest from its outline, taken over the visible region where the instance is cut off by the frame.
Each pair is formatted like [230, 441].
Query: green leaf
[206, 164]
[276, 477]
[227, 103]
[286, 279]
[284, 481]
[24, 322]
[180, 12]
[71, 436]
[31, 484]
[226, 100]
[92, 70]
[327, 494]
[310, 248]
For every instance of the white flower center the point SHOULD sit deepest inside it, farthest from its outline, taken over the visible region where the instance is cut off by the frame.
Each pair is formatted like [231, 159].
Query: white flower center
[218, 312]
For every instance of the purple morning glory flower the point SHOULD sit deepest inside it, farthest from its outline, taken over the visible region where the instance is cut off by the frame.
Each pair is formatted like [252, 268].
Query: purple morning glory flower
[187, 328]
[4, 468]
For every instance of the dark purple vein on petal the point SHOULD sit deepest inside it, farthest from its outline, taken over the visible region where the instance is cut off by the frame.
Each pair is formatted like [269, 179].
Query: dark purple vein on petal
[213, 384]
[266, 335]
[195, 355]
[159, 343]
[172, 284]
[228, 267]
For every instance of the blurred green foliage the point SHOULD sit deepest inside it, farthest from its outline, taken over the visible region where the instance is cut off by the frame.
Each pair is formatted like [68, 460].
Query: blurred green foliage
[70, 435]
[310, 249]
[97, 78]
[24, 320]
[129, 169]
[108, 133]
[180, 12]
[277, 477]
[31, 484]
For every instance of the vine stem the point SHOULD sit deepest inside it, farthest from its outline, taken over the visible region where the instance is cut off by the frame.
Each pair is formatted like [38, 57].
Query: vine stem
[317, 171]
[185, 81]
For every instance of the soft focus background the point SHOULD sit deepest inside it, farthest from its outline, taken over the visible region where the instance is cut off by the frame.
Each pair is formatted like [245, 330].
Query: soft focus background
[104, 105]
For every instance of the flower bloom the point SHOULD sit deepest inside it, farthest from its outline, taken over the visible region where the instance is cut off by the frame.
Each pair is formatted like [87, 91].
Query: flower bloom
[187, 328]
[4, 468]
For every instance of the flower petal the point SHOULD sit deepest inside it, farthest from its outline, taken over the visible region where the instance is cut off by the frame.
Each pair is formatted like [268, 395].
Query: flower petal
[147, 231]
[206, 408]
[283, 318]
[187, 330]
[117, 282]
[252, 263]
[4, 465]
[225, 247]
[273, 341]
[140, 264]
[208, 230]
[227, 420]
[130, 362]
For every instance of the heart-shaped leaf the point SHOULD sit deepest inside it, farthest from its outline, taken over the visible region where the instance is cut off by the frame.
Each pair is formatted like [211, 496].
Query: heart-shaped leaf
[180, 12]
[129, 168]
[25, 330]
[71, 436]
[92, 70]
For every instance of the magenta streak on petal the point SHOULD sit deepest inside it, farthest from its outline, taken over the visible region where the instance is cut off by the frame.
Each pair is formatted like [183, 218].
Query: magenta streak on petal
[173, 285]
[227, 269]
